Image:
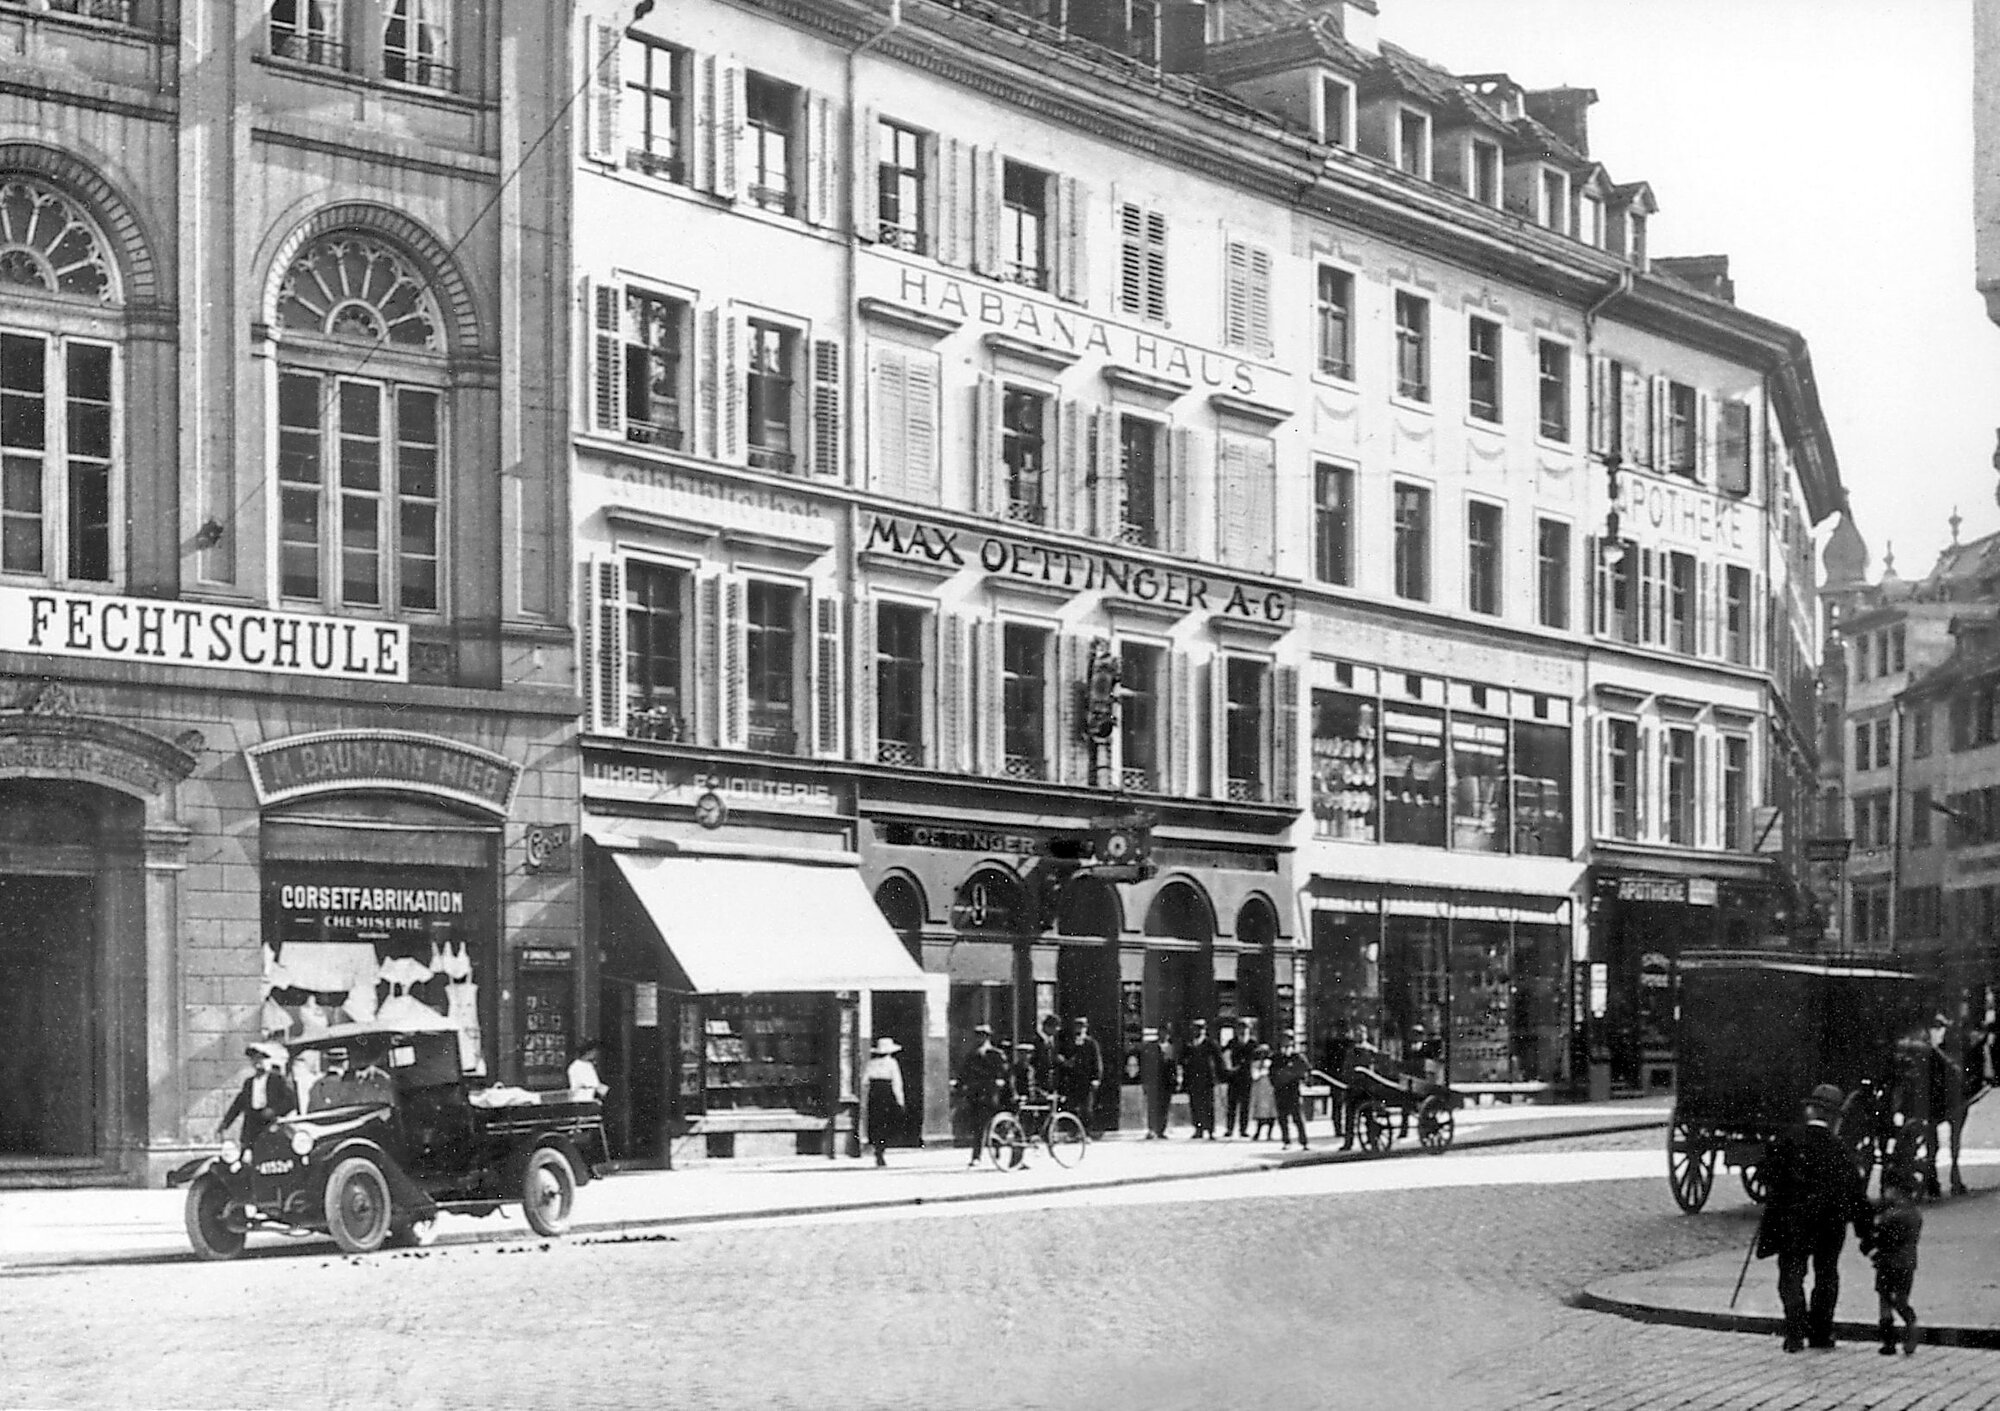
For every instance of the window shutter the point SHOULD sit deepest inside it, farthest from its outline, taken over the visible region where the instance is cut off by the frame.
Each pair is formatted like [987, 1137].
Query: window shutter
[1732, 452]
[1285, 734]
[1217, 670]
[821, 157]
[1180, 741]
[1594, 567]
[861, 661]
[1236, 294]
[1633, 434]
[1108, 484]
[1259, 312]
[951, 696]
[1760, 623]
[1069, 510]
[987, 493]
[1662, 574]
[1072, 756]
[725, 125]
[1260, 463]
[866, 197]
[1071, 223]
[701, 159]
[888, 420]
[1180, 491]
[602, 639]
[1661, 399]
[607, 356]
[1600, 754]
[950, 201]
[732, 342]
[606, 88]
[1646, 604]
[986, 193]
[708, 653]
[1131, 260]
[734, 664]
[827, 674]
[1704, 822]
[920, 434]
[1704, 609]
[1600, 404]
[1643, 781]
[1704, 438]
[1232, 508]
[988, 740]
[826, 388]
[708, 383]
[1156, 265]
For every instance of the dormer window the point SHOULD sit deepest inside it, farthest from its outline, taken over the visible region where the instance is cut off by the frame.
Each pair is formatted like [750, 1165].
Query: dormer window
[1413, 142]
[1483, 174]
[1636, 244]
[1590, 229]
[1555, 201]
[1336, 112]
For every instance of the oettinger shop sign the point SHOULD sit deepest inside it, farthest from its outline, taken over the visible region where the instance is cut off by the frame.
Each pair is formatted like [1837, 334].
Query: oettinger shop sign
[107, 628]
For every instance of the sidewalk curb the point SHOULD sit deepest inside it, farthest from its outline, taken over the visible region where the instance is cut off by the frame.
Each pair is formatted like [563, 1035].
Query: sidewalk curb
[1939, 1335]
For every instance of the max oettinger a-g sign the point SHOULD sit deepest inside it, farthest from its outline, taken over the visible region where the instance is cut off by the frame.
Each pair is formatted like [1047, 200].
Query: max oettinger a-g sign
[171, 633]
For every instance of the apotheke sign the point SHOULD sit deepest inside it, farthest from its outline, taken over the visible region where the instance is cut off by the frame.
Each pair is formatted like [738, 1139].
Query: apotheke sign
[107, 628]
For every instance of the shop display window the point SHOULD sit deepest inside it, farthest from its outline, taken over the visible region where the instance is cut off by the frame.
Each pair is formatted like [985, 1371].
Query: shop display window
[1344, 978]
[1540, 958]
[1346, 778]
[1482, 1019]
[1541, 790]
[1415, 987]
[1478, 784]
[768, 1052]
[1413, 777]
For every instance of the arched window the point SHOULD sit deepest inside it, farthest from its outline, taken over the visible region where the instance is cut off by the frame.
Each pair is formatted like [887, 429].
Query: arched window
[60, 336]
[361, 429]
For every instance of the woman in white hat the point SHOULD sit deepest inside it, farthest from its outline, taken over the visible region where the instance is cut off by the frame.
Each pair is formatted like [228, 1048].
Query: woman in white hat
[885, 1095]
[265, 1096]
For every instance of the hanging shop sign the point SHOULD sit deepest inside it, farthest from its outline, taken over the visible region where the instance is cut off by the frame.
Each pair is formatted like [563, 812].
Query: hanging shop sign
[107, 628]
[711, 792]
[1078, 570]
[340, 761]
[993, 901]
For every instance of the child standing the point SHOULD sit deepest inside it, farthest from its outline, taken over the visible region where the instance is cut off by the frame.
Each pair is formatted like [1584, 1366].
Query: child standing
[1263, 1100]
[1898, 1227]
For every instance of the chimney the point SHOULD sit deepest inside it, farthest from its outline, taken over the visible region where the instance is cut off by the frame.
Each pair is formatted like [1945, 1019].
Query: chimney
[1565, 112]
[1708, 273]
[1183, 35]
[1358, 24]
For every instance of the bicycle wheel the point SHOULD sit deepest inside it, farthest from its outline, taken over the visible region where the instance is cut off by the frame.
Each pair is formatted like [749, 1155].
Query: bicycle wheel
[1005, 1141]
[1066, 1139]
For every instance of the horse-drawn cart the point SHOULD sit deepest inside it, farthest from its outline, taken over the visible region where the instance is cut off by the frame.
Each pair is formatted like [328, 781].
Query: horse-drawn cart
[1757, 1032]
[1381, 1102]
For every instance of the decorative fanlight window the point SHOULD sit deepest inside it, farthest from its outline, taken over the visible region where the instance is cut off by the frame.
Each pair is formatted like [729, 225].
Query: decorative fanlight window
[360, 290]
[48, 244]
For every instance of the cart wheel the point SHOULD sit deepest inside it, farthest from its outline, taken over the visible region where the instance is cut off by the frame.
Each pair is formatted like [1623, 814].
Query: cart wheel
[1435, 1126]
[1690, 1164]
[1756, 1184]
[214, 1228]
[358, 1206]
[1067, 1139]
[1005, 1141]
[1378, 1128]
[548, 1191]
[1856, 1130]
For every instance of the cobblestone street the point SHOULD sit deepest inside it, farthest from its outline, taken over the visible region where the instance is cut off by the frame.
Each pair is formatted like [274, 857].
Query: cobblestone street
[1283, 1292]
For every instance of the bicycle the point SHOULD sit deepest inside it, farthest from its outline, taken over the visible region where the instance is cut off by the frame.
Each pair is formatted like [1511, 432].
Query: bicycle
[1037, 1118]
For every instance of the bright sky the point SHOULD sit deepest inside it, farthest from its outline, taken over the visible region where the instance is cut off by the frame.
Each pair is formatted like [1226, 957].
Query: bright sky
[1825, 146]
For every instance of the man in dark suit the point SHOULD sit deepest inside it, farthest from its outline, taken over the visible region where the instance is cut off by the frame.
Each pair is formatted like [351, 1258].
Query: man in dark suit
[1201, 1063]
[1235, 1065]
[1080, 1072]
[982, 1085]
[266, 1095]
[1815, 1193]
[1158, 1071]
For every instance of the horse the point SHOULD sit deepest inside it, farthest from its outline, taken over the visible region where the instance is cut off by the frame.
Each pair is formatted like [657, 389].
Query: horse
[1931, 1090]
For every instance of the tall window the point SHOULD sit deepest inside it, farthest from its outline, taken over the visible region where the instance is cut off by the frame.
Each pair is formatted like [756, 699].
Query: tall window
[1142, 261]
[1679, 801]
[1243, 730]
[1622, 745]
[1139, 473]
[1333, 524]
[1735, 791]
[656, 335]
[900, 188]
[1024, 220]
[1482, 557]
[1024, 691]
[655, 651]
[56, 449]
[308, 32]
[1554, 381]
[1483, 368]
[1736, 614]
[1885, 742]
[1485, 183]
[1552, 573]
[1413, 542]
[1141, 665]
[1335, 308]
[1555, 201]
[360, 459]
[1413, 142]
[1023, 451]
[1897, 658]
[1920, 730]
[770, 111]
[1336, 100]
[655, 111]
[1413, 347]
[1864, 733]
[1682, 433]
[413, 44]
[1920, 817]
[773, 360]
[1681, 624]
[899, 683]
[770, 629]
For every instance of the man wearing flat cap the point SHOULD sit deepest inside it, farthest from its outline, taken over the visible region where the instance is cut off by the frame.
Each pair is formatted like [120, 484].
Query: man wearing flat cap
[982, 1085]
[1815, 1193]
[266, 1095]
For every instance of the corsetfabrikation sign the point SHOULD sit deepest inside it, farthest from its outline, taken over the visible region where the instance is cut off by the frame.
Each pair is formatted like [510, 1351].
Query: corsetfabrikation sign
[1078, 570]
[340, 761]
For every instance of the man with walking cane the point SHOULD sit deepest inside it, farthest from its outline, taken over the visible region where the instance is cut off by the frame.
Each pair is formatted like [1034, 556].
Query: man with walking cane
[1815, 1193]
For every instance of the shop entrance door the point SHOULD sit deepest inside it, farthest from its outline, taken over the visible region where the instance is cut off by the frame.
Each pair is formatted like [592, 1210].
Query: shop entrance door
[48, 1048]
[899, 1014]
[1087, 985]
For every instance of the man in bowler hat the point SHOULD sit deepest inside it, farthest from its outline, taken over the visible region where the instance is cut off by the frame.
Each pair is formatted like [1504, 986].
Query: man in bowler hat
[1815, 1193]
[1080, 1072]
[1235, 1064]
[982, 1084]
[1201, 1062]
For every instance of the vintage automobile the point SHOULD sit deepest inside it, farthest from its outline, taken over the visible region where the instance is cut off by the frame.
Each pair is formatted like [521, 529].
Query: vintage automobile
[393, 1133]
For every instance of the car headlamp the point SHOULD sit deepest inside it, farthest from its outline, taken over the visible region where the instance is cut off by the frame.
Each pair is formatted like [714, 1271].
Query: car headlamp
[231, 1152]
[302, 1143]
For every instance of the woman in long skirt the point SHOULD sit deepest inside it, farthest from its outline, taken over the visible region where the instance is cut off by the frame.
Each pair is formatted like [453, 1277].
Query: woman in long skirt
[885, 1096]
[1263, 1101]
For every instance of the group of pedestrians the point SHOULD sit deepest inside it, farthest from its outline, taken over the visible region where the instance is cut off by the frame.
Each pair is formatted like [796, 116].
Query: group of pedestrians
[1261, 1084]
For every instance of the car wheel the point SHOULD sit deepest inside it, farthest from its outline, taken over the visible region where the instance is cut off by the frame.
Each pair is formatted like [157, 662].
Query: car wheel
[548, 1191]
[209, 1220]
[358, 1209]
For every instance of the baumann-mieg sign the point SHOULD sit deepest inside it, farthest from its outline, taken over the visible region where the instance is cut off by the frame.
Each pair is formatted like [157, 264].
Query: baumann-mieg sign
[107, 628]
